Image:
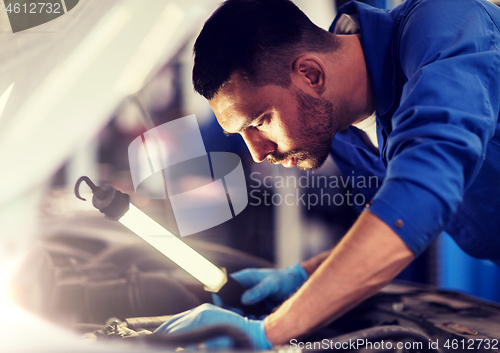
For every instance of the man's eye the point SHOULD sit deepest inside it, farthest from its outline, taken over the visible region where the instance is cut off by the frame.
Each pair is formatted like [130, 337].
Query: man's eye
[256, 126]
[263, 121]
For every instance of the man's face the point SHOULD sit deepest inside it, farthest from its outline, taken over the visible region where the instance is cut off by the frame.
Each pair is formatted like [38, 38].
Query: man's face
[283, 125]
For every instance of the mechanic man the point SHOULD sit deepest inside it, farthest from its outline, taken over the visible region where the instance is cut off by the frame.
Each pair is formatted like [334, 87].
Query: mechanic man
[430, 71]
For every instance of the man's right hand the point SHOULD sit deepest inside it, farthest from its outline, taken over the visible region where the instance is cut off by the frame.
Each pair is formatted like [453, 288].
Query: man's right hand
[270, 285]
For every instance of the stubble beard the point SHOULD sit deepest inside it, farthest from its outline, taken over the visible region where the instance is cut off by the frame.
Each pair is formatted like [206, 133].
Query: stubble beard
[319, 121]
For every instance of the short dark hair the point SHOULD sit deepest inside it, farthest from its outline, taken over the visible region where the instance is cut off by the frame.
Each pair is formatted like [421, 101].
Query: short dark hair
[258, 39]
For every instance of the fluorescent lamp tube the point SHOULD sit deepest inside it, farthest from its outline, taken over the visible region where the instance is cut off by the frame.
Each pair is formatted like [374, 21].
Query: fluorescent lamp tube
[175, 249]
[116, 206]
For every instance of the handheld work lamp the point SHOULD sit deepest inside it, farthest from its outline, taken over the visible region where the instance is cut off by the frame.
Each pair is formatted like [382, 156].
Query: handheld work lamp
[116, 206]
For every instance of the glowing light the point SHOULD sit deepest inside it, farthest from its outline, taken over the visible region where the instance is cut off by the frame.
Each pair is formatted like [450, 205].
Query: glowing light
[4, 98]
[7, 308]
[174, 248]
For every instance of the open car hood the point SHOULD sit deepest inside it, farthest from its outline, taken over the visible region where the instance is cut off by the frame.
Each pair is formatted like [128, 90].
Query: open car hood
[61, 81]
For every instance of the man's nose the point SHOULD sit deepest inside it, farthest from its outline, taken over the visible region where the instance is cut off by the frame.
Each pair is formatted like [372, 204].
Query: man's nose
[259, 146]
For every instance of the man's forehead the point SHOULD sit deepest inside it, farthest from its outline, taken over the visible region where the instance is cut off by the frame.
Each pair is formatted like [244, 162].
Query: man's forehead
[235, 89]
[235, 103]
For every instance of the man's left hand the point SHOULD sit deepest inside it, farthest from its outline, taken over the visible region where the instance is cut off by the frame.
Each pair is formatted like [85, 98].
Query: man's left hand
[207, 315]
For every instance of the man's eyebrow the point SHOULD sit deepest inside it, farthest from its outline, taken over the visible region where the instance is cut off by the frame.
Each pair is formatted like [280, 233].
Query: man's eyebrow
[247, 123]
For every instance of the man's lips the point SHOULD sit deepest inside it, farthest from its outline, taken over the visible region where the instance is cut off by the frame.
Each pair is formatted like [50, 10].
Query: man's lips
[290, 162]
[282, 159]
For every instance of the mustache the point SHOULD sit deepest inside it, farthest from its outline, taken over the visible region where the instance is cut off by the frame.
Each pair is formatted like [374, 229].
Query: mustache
[278, 157]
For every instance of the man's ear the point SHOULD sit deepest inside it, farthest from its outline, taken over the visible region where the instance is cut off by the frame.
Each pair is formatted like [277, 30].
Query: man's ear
[308, 74]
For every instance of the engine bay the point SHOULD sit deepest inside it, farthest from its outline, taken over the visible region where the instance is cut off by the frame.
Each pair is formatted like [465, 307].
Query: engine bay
[96, 278]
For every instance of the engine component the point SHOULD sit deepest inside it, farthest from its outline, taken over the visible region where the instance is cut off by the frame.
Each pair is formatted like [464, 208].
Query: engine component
[138, 294]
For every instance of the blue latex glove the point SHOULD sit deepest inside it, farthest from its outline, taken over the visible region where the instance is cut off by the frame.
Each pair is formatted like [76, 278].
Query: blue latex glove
[207, 315]
[273, 285]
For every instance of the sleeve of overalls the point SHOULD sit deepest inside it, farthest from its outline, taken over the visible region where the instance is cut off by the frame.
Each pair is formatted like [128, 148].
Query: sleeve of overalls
[449, 53]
